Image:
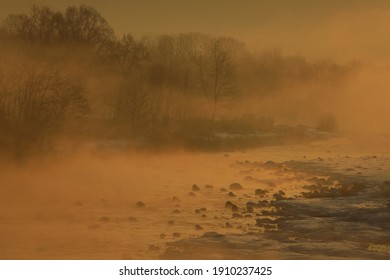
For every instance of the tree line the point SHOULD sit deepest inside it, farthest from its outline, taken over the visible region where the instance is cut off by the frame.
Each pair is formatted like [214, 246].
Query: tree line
[142, 84]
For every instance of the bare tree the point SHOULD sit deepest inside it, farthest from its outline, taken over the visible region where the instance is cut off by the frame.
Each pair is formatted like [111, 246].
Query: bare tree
[35, 104]
[216, 72]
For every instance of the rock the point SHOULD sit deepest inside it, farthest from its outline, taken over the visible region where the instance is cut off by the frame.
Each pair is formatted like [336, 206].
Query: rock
[212, 234]
[236, 186]
[162, 236]
[228, 225]
[176, 211]
[230, 205]
[198, 227]
[171, 223]
[236, 215]
[140, 204]
[195, 188]
[176, 234]
[263, 203]
[176, 199]
[204, 216]
[222, 189]
[261, 192]
[230, 194]
[208, 186]
[234, 208]
[200, 210]
[132, 219]
[191, 194]
[277, 197]
[251, 204]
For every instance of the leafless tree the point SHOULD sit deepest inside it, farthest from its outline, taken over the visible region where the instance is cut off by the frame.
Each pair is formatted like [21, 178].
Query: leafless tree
[216, 72]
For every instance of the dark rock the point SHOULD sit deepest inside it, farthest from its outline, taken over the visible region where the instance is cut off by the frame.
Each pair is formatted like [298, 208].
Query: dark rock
[236, 186]
[198, 227]
[208, 186]
[140, 204]
[212, 234]
[132, 219]
[261, 192]
[195, 188]
[176, 234]
[162, 236]
[236, 215]
[176, 199]
[228, 225]
[176, 211]
[230, 194]
[222, 189]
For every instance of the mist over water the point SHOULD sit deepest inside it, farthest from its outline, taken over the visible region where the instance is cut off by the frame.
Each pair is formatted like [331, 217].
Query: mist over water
[191, 145]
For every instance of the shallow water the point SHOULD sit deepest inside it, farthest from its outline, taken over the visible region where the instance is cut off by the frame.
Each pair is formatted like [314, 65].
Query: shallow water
[324, 200]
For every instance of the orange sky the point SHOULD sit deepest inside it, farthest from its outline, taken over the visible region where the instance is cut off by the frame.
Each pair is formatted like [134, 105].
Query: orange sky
[342, 29]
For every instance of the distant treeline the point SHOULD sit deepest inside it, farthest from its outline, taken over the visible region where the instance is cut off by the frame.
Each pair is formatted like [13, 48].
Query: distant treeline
[68, 73]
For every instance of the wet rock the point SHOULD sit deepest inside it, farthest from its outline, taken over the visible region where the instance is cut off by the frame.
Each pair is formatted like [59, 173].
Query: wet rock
[198, 227]
[230, 194]
[200, 210]
[208, 186]
[195, 188]
[261, 192]
[236, 186]
[140, 204]
[230, 205]
[263, 203]
[212, 234]
[278, 196]
[251, 204]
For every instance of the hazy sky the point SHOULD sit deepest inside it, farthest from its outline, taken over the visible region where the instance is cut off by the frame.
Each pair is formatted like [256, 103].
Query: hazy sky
[340, 29]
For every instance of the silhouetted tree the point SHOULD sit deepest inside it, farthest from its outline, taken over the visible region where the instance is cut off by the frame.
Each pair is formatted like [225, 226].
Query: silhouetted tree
[216, 73]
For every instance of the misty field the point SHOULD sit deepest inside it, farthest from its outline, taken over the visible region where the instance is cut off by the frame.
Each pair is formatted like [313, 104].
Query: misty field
[326, 200]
